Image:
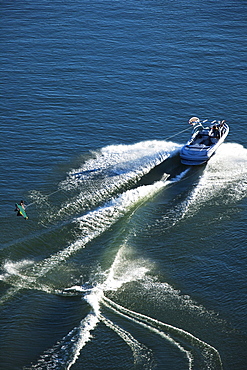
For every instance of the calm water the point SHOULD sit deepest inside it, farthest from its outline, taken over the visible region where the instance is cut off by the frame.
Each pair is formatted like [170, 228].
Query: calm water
[120, 266]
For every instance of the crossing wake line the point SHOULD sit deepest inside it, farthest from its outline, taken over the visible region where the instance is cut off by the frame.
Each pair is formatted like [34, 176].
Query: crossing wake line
[67, 351]
[176, 336]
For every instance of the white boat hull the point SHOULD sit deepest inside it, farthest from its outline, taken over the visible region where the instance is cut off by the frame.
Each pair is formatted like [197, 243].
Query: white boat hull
[200, 148]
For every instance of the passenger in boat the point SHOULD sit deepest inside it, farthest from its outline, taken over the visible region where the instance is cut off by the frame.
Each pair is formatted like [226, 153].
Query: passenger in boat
[214, 134]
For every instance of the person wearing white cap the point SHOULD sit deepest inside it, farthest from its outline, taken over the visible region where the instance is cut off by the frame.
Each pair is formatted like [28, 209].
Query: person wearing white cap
[195, 122]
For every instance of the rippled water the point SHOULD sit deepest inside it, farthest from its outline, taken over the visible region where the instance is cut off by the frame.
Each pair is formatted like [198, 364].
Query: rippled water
[129, 259]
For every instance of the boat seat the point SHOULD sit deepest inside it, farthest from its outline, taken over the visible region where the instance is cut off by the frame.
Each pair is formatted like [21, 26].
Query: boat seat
[214, 140]
[204, 132]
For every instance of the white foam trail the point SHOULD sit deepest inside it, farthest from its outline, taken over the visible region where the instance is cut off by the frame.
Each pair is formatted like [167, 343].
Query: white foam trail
[66, 351]
[121, 159]
[96, 222]
[114, 278]
[124, 312]
[180, 176]
[14, 268]
[91, 225]
[105, 216]
[18, 274]
[124, 269]
[142, 355]
[169, 332]
[12, 274]
[208, 186]
[119, 166]
[164, 292]
[87, 325]
[224, 178]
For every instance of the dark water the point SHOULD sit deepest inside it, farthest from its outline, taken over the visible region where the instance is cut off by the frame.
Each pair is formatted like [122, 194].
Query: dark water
[118, 265]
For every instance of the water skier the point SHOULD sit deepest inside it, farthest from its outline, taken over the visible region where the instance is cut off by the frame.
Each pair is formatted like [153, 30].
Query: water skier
[20, 209]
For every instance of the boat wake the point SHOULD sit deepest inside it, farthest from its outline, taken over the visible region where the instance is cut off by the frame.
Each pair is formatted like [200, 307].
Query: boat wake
[89, 226]
[224, 180]
[111, 171]
[103, 191]
[66, 352]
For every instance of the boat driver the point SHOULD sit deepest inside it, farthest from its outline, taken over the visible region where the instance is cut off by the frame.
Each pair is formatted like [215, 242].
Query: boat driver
[195, 122]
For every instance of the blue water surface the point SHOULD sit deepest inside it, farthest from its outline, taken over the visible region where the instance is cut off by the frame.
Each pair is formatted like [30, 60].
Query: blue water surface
[119, 266]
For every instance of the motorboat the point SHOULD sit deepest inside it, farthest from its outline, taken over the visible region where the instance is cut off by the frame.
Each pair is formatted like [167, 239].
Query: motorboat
[204, 141]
